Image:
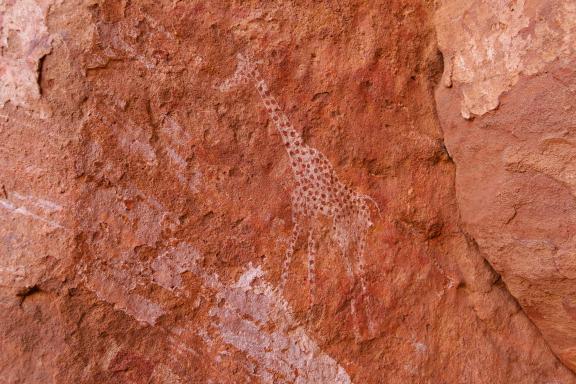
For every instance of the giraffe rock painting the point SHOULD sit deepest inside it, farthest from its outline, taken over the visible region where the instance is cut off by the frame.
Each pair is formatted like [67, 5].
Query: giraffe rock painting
[318, 192]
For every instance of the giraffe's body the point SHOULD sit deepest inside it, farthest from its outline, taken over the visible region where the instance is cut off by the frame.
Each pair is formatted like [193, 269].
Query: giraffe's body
[317, 192]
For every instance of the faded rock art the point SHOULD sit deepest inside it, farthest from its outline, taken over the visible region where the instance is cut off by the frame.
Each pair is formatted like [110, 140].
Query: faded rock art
[115, 287]
[130, 136]
[24, 40]
[35, 208]
[318, 192]
[287, 352]
[241, 318]
[23, 218]
[487, 58]
[130, 39]
[175, 139]
[115, 279]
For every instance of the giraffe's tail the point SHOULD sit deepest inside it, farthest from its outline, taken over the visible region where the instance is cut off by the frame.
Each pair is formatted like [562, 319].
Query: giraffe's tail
[370, 199]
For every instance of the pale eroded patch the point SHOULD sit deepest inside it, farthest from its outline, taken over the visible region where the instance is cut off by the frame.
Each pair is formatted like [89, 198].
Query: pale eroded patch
[249, 315]
[136, 219]
[109, 288]
[24, 40]
[488, 45]
[255, 319]
[164, 375]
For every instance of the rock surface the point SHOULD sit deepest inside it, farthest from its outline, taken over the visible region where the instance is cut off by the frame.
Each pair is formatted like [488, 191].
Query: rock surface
[147, 213]
[516, 166]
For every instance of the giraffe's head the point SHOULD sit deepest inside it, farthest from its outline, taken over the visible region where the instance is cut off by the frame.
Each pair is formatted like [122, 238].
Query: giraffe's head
[245, 71]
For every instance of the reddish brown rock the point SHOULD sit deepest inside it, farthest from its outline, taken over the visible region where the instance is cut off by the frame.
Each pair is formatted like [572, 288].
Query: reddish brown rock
[515, 165]
[146, 210]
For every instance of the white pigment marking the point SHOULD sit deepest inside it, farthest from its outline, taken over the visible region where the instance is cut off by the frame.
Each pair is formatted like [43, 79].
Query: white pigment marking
[112, 291]
[25, 212]
[286, 354]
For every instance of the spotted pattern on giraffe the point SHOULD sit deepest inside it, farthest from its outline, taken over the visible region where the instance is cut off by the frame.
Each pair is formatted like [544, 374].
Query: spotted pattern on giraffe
[317, 191]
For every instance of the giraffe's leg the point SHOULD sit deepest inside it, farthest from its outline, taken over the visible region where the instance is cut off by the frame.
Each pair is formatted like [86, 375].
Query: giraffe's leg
[350, 273]
[361, 271]
[289, 254]
[311, 265]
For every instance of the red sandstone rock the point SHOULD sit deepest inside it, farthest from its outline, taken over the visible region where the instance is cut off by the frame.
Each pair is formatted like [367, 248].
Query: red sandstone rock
[146, 214]
[515, 165]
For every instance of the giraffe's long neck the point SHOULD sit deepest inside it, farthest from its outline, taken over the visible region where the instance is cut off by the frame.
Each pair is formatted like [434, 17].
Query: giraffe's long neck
[291, 139]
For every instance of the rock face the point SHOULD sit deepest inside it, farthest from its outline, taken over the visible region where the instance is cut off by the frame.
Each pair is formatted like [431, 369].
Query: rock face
[515, 166]
[272, 192]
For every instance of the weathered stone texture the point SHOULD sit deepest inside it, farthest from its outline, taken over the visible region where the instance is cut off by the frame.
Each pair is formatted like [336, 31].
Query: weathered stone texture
[146, 209]
[489, 45]
[515, 178]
